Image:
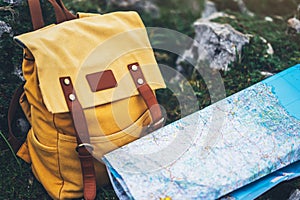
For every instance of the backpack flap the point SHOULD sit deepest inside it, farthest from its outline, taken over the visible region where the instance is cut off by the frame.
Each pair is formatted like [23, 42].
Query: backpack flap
[95, 53]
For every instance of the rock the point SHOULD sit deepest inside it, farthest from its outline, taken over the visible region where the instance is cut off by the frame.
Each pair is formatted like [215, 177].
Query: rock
[209, 9]
[243, 8]
[270, 50]
[18, 72]
[12, 1]
[268, 19]
[234, 5]
[215, 44]
[147, 6]
[4, 28]
[266, 74]
[210, 12]
[294, 24]
[23, 125]
[295, 195]
[20, 125]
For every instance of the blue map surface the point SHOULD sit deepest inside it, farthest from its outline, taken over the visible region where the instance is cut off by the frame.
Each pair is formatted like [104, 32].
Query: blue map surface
[217, 150]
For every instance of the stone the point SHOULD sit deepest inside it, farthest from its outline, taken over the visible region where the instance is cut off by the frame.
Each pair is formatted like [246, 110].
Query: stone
[23, 125]
[147, 6]
[243, 8]
[235, 5]
[210, 12]
[20, 125]
[268, 19]
[294, 24]
[18, 72]
[266, 74]
[215, 44]
[4, 28]
[270, 50]
[12, 1]
[209, 9]
[295, 195]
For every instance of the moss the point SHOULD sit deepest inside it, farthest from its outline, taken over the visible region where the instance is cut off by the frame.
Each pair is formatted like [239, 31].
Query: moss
[178, 15]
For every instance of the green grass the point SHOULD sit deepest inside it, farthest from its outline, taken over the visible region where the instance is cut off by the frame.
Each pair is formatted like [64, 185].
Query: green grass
[16, 179]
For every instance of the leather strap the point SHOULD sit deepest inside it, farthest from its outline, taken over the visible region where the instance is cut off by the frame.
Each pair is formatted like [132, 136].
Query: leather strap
[147, 94]
[83, 139]
[14, 104]
[68, 14]
[36, 14]
[61, 12]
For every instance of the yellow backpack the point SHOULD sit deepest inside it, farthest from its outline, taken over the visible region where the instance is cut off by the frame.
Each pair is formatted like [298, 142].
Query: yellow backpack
[89, 89]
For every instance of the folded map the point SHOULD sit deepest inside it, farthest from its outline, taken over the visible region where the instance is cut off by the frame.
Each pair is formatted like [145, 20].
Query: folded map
[216, 150]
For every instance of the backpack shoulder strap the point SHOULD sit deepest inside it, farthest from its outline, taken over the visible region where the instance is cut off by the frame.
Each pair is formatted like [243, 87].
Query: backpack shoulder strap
[67, 15]
[61, 12]
[84, 147]
[36, 14]
[14, 104]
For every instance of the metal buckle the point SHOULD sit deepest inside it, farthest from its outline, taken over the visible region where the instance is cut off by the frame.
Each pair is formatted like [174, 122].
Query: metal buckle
[156, 125]
[86, 145]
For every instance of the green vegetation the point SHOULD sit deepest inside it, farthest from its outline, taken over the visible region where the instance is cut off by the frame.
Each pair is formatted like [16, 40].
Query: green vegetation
[255, 59]
[18, 182]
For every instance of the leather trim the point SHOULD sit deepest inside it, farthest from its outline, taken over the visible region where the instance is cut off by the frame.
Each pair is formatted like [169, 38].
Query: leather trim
[101, 80]
[83, 138]
[97, 55]
[36, 14]
[61, 12]
[145, 91]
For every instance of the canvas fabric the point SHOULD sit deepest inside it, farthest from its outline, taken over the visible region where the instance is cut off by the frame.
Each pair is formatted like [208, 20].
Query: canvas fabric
[115, 116]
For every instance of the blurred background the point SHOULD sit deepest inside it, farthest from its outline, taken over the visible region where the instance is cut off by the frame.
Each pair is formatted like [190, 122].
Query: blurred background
[272, 29]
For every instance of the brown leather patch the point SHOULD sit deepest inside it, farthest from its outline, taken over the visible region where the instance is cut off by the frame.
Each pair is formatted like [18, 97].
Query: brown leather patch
[101, 80]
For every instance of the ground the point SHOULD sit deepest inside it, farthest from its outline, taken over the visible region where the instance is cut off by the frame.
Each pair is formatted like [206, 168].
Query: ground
[16, 180]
